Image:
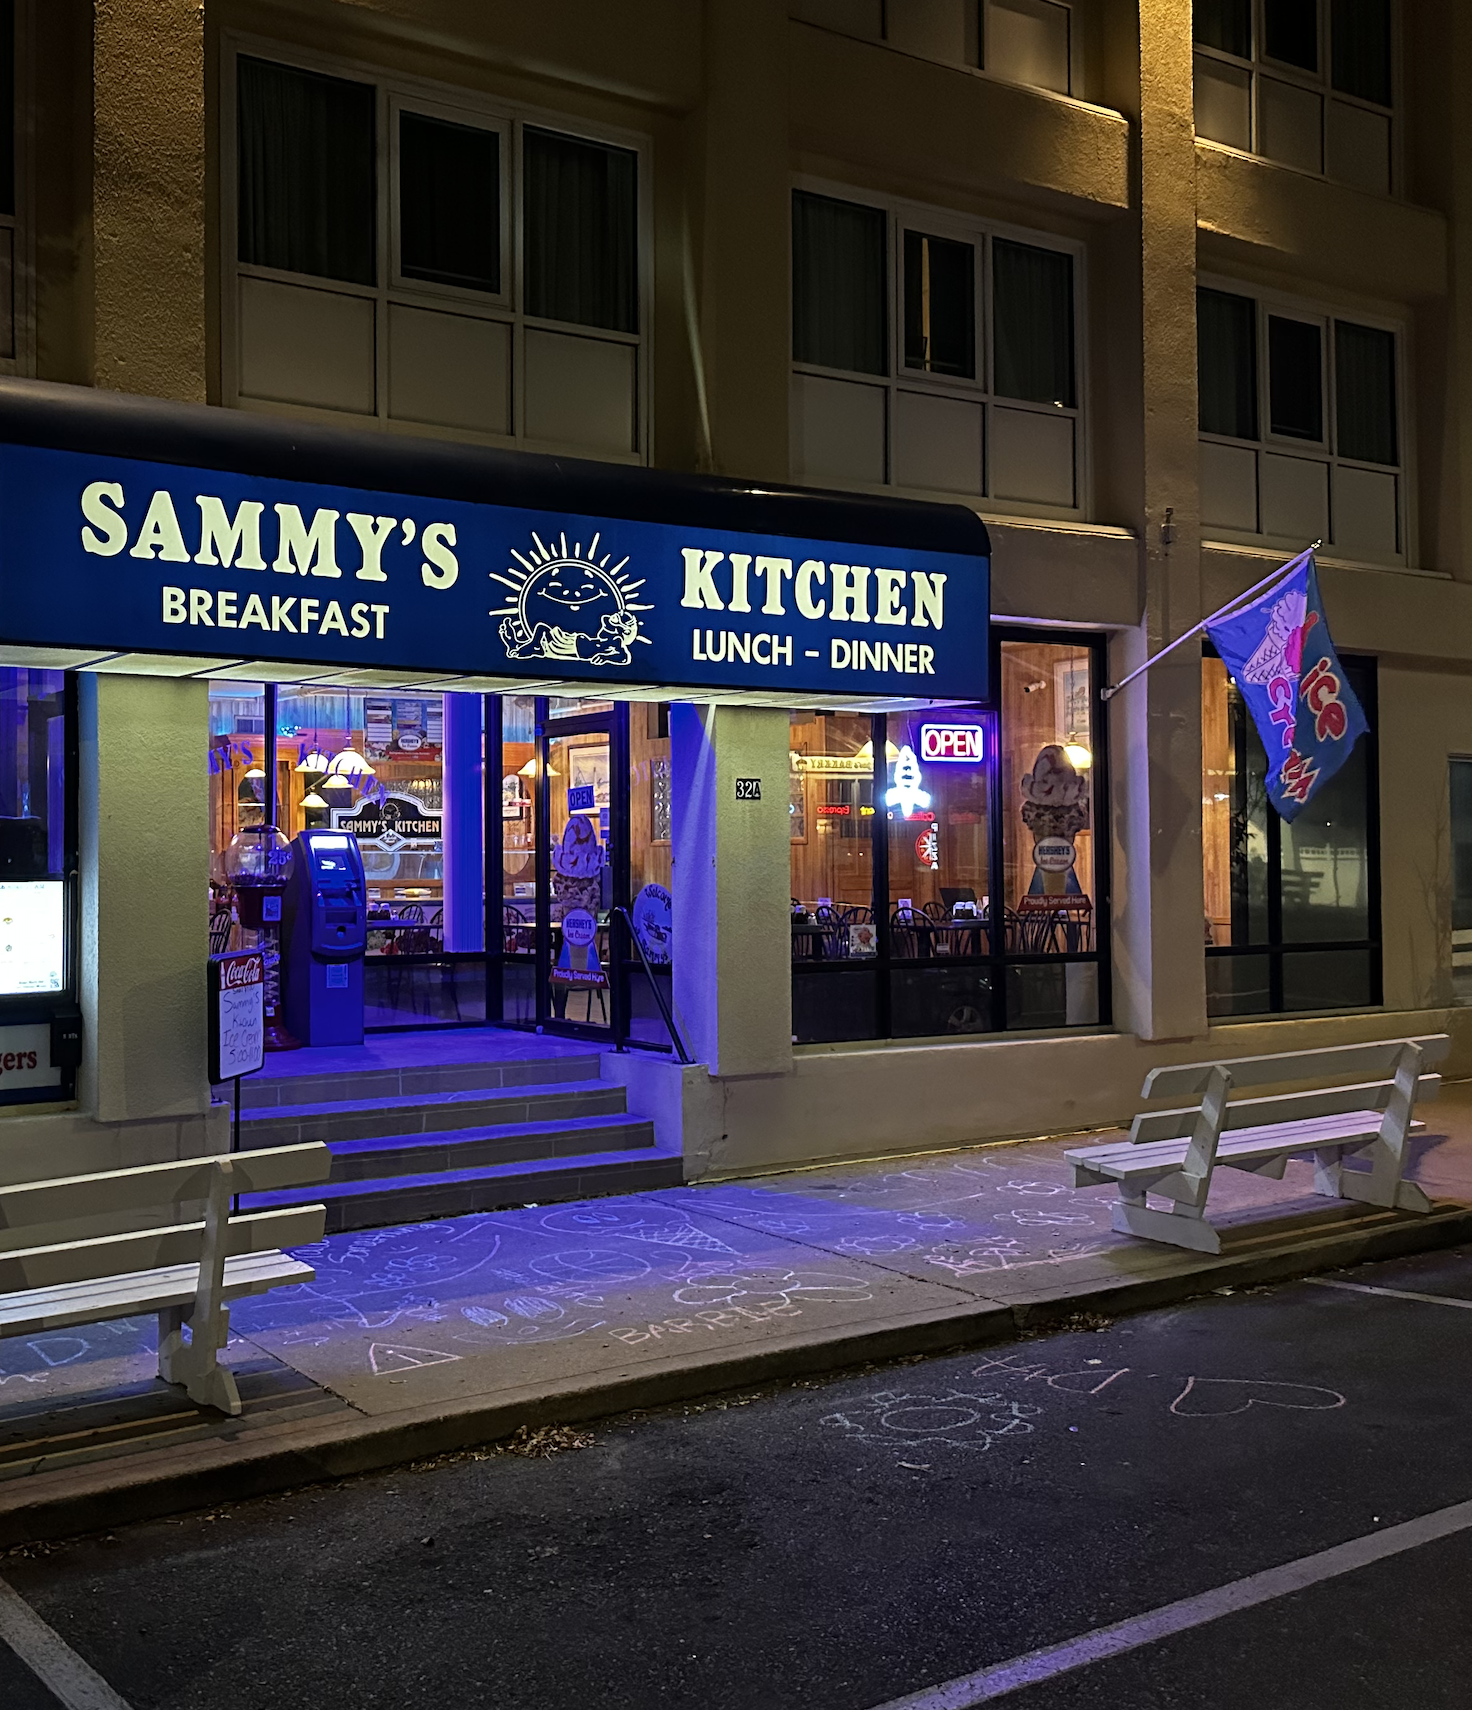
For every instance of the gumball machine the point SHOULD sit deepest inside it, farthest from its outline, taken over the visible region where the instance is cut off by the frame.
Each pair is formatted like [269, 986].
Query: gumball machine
[258, 866]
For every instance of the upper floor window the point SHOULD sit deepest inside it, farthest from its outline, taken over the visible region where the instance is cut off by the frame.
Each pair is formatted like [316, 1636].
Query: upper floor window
[433, 262]
[933, 353]
[1299, 418]
[1305, 82]
[14, 270]
[1023, 41]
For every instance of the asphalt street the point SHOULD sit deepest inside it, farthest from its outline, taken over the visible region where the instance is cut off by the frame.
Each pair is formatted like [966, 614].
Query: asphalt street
[844, 1544]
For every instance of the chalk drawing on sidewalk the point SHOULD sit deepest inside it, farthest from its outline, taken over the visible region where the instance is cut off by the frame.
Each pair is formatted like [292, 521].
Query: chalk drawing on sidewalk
[384, 1360]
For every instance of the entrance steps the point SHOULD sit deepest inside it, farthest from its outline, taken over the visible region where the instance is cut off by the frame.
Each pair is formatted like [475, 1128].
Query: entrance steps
[415, 1140]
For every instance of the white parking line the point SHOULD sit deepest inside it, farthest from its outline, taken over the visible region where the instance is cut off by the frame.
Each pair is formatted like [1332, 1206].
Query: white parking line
[55, 1664]
[1001, 1678]
[1394, 1293]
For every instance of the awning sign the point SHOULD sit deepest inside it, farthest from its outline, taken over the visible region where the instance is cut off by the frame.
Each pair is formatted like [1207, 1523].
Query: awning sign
[123, 555]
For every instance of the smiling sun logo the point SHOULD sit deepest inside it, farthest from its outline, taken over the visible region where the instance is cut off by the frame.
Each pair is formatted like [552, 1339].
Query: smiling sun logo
[569, 605]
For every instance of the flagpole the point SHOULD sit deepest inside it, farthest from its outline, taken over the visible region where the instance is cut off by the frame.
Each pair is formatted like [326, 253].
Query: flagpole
[1279, 575]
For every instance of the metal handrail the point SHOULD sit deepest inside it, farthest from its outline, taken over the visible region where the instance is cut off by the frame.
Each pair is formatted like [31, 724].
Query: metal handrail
[664, 1008]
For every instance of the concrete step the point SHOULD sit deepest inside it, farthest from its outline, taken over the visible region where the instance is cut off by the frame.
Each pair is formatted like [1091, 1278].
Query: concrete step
[265, 1090]
[492, 1187]
[468, 1148]
[363, 1118]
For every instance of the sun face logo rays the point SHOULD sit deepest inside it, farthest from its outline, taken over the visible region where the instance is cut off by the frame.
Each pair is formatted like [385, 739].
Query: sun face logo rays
[569, 604]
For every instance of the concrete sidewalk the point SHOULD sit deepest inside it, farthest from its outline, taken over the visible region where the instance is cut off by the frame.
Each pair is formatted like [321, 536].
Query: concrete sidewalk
[431, 1337]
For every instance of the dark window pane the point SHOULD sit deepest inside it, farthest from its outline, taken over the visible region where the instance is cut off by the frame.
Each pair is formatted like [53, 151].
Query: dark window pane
[839, 302]
[1290, 31]
[1061, 994]
[1032, 320]
[1328, 979]
[1364, 380]
[1295, 378]
[1225, 24]
[1226, 363]
[1461, 792]
[1360, 56]
[1324, 858]
[449, 203]
[940, 311]
[7, 106]
[306, 172]
[581, 233]
[829, 1005]
[933, 1002]
[1238, 985]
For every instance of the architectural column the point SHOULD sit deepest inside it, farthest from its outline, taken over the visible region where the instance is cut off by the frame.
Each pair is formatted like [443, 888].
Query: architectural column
[1160, 968]
[145, 866]
[148, 198]
[745, 206]
[732, 879]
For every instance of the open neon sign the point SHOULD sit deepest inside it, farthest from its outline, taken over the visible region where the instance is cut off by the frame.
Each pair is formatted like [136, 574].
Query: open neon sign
[961, 744]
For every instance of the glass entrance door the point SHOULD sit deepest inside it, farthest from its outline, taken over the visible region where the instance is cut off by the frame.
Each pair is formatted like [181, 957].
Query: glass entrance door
[585, 803]
[582, 859]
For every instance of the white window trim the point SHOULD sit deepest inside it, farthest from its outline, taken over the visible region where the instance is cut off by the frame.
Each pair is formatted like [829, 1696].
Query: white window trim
[394, 91]
[935, 221]
[1320, 83]
[1283, 303]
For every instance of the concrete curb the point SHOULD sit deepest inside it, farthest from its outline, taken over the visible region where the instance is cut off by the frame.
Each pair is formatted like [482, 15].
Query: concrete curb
[116, 1492]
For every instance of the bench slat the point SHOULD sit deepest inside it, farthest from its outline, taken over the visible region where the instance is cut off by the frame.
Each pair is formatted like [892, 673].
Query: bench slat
[1283, 1107]
[1378, 1057]
[27, 1204]
[153, 1249]
[1122, 1160]
[141, 1292]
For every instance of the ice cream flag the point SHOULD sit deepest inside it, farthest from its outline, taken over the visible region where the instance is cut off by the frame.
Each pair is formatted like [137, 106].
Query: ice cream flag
[1282, 659]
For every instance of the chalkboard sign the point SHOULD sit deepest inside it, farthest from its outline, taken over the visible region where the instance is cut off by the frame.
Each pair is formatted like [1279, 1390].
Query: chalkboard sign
[237, 989]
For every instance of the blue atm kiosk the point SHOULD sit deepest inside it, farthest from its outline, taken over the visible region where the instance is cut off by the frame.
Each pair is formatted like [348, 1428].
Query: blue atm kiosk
[325, 933]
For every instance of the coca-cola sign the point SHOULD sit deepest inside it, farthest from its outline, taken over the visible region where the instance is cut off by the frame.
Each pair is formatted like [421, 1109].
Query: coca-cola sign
[237, 987]
[238, 971]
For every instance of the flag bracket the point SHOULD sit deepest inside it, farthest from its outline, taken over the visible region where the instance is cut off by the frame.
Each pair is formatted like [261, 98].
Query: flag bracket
[1281, 574]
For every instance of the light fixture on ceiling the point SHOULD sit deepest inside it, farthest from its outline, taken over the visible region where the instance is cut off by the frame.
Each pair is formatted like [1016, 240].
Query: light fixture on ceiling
[349, 763]
[316, 761]
[1078, 756]
[255, 772]
[313, 802]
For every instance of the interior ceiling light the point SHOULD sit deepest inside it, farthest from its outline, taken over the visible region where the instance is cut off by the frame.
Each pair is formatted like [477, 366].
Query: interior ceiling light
[313, 800]
[255, 772]
[1078, 756]
[349, 763]
[316, 761]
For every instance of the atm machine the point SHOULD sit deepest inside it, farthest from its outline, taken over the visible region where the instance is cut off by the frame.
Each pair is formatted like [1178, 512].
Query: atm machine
[325, 934]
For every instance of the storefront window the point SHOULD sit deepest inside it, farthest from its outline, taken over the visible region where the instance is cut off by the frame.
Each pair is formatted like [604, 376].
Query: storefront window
[370, 763]
[1461, 825]
[1049, 814]
[1292, 911]
[951, 885]
[33, 820]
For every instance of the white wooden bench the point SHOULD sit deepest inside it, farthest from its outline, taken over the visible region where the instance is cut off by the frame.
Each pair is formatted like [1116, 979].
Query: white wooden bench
[1172, 1153]
[187, 1272]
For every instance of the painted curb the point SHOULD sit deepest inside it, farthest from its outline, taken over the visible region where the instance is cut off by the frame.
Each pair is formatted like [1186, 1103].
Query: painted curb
[109, 1493]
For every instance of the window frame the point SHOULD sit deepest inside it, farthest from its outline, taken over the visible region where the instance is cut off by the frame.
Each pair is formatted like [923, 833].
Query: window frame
[1320, 83]
[1269, 302]
[22, 224]
[996, 959]
[929, 220]
[1274, 947]
[395, 92]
